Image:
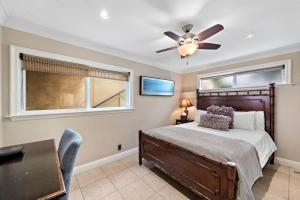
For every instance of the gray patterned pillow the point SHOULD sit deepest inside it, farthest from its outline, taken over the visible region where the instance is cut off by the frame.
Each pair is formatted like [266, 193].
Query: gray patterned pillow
[226, 111]
[219, 122]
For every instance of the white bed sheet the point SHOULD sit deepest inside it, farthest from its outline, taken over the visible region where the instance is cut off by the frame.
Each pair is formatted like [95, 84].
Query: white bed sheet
[261, 140]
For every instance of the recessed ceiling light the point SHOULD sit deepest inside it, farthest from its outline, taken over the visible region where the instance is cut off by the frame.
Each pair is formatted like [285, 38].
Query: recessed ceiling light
[104, 14]
[250, 36]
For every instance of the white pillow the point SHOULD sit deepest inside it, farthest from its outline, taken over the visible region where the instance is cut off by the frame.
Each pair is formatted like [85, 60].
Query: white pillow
[197, 115]
[244, 120]
[260, 120]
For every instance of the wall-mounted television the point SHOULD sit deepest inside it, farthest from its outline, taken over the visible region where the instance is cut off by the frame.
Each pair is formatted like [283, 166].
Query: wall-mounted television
[151, 86]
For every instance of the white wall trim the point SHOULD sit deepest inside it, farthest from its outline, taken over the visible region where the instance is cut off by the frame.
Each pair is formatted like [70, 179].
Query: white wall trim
[288, 163]
[103, 161]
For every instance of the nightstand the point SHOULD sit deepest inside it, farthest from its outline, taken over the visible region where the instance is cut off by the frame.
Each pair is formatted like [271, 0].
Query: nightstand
[179, 121]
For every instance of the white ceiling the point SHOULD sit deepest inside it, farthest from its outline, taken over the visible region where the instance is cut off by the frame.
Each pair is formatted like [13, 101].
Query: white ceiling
[135, 28]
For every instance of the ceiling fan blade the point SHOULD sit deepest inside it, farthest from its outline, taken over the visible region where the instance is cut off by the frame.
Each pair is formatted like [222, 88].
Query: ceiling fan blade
[210, 46]
[173, 36]
[210, 32]
[167, 49]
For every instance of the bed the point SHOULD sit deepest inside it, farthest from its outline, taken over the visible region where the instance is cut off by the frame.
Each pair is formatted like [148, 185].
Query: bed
[206, 175]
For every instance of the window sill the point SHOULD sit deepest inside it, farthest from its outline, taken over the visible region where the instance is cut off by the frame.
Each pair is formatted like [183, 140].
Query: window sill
[31, 115]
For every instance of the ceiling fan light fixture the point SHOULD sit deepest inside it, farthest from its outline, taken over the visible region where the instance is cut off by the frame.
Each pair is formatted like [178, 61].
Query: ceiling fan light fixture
[188, 48]
[104, 14]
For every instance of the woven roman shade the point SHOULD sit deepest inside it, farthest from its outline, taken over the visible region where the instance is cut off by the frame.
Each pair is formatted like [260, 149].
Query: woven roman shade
[40, 64]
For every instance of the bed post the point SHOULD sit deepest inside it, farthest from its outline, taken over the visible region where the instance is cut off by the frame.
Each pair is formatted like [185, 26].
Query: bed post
[197, 98]
[140, 148]
[232, 180]
[272, 115]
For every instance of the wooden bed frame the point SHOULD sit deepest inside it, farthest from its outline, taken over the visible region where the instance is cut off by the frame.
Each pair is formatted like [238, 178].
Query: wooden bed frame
[208, 178]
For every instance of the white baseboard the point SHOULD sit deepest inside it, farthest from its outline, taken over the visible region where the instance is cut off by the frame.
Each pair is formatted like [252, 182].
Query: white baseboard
[103, 161]
[288, 163]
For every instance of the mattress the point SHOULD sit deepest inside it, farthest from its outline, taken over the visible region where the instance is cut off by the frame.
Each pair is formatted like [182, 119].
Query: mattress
[261, 140]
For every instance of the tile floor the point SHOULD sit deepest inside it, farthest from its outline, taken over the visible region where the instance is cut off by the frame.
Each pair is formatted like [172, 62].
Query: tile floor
[126, 180]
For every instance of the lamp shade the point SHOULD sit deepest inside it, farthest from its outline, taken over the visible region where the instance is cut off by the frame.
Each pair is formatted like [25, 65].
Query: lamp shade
[185, 103]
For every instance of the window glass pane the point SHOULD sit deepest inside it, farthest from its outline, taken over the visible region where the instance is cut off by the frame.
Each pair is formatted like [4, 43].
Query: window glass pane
[217, 83]
[108, 93]
[259, 78]
[47, 91]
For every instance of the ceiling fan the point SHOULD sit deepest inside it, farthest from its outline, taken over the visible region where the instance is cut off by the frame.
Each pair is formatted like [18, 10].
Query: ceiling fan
[189, 42]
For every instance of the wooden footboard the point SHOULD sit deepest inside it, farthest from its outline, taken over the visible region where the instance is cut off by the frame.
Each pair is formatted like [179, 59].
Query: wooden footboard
[207, 178]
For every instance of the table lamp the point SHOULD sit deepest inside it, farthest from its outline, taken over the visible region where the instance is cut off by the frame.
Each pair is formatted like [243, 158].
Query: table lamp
[186, 103]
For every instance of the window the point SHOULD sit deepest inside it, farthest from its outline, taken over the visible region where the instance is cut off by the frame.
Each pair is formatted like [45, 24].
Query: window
[52, 84]
[217, 82]
[51, 91]
[278, 73]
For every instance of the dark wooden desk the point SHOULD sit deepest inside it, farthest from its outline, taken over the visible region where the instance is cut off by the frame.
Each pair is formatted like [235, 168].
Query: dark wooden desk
[36, 175]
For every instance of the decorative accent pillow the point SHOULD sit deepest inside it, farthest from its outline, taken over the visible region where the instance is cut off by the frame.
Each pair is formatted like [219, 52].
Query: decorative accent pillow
[198, 113]
[219, 122]
[226, 111]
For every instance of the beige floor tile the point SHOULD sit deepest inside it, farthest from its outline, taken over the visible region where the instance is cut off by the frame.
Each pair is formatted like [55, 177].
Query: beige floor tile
[123, 178]
[295, 178]
[74, 184]
[75, 195]
[113, 167]
[141, 183]
[273, 183]
[140, 171]
[169, 193]
[294, 191]
[90, 176]
[131, 160]
[277, 168]
[137, 190]
[154, 181]
[266, 196]
[156, 197]
[114, 196]
[98, 189]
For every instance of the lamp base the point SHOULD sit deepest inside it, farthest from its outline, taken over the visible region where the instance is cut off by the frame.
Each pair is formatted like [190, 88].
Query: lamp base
[186, 112]
[183, 118]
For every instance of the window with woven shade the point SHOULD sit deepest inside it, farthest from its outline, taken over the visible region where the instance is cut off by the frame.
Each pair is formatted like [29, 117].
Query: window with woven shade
[58, 84]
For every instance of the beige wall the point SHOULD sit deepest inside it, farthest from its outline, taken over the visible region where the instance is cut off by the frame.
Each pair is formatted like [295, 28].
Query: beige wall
[287, 107]
[101, 133]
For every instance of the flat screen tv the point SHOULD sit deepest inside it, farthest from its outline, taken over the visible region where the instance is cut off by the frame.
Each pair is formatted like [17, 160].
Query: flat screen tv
[151, 86]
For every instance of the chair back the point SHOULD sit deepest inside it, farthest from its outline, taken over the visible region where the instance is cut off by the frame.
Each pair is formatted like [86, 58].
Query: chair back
[67, 150]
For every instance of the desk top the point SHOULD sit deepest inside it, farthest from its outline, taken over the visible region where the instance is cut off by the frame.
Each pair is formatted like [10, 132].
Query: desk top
[36, 175]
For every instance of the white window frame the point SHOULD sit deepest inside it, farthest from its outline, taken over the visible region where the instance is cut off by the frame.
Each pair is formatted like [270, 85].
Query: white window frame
[17, 99]
[287, 74]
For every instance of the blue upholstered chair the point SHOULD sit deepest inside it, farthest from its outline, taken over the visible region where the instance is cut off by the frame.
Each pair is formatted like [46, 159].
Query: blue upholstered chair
[67, 151]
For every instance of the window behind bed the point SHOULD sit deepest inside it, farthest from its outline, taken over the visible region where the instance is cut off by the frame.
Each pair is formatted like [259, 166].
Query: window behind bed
[262, 75]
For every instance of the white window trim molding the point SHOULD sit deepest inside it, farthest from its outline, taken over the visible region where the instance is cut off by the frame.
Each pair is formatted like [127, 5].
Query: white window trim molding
[15, 87]
[287, 76]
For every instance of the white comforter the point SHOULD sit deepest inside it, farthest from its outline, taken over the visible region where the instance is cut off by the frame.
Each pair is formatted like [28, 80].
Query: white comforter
[261, 140]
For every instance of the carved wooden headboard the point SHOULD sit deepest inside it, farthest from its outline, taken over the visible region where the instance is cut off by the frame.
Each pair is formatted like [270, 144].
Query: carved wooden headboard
[242, 100]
